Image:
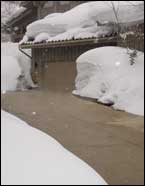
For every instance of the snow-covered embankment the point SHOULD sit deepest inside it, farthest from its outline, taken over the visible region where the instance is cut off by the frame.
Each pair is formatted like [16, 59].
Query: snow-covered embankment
[30, 157]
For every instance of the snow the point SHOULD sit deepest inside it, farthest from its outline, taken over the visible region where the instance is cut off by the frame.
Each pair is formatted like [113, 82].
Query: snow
[33, 113]
[30, 157]
[52, 15]
[82, 21]
[24, 40]
[106, 74]
[41, 37]
[14, 65]
[10, 71]
[7, 10]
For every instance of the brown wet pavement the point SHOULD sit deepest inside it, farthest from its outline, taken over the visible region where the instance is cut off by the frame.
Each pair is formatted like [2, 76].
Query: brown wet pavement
[112, 142]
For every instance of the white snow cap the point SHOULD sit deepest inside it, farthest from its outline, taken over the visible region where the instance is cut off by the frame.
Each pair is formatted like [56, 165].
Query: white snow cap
[30, 157]
[81, 21]
[41, 37]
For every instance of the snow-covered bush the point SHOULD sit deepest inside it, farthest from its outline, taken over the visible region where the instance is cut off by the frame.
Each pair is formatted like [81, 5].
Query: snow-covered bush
[132, 55]
[106, 74]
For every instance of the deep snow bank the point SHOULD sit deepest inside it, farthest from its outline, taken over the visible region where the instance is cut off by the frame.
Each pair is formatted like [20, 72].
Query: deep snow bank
[81, 21]
[105, 74]
[30, 157]
[14, 64]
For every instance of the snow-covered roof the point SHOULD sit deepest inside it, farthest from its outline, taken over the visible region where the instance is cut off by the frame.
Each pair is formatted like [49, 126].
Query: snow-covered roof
[68, 42]
[83, 21]
[16, 14]
[8, 9]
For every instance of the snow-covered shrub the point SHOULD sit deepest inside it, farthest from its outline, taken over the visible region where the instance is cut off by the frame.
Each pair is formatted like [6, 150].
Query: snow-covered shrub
[106, 74]
[132, 55]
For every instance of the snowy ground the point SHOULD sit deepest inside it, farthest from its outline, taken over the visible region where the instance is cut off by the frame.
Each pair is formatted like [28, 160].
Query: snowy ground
[106, 74]
[32, 157]
[15, 68]
[62, 26]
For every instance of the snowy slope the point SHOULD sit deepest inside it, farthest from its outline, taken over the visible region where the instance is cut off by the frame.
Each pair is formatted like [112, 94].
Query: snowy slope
[14, 64]
[81, 21]
[30, 157]
[105, 74]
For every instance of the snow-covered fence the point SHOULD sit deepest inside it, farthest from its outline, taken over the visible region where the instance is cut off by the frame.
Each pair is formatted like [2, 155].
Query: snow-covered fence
[133, 42]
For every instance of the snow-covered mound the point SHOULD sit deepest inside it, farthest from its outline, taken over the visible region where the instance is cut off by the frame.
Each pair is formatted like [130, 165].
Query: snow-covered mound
[15, 72]
[30, 157]
[106, 74]
[82, 21]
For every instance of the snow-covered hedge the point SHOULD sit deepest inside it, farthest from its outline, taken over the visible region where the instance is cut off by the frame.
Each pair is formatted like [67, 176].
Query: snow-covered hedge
[15, 68]
[30, 157]
[106, 74]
